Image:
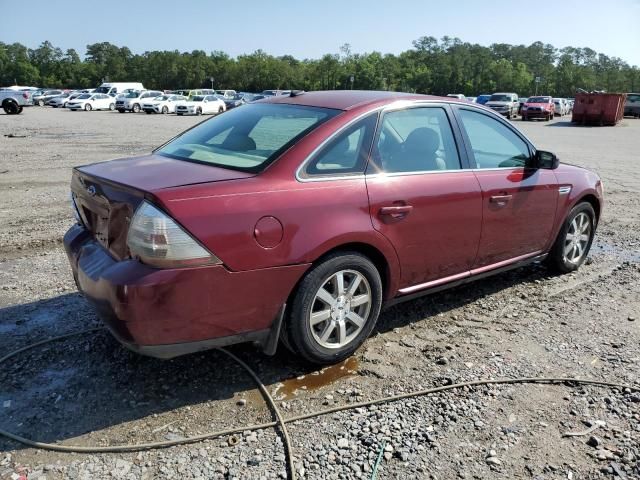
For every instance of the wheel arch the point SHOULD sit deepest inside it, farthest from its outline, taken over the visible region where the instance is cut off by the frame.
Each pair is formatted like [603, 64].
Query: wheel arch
[593, 201]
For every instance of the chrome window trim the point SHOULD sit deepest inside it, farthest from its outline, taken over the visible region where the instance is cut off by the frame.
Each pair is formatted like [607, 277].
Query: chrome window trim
[421, 172]
[336, 176]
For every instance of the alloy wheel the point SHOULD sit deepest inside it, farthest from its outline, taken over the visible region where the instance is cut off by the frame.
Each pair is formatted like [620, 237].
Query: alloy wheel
[340, 309]
[577, 238]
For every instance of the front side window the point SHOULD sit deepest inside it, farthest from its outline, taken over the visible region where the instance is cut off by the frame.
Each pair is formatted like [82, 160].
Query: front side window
[493, 144]
[346, 153]
[247, 138]
[415, 140]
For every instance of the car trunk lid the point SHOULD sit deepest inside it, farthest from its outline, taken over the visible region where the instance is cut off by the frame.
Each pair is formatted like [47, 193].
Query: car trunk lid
[107, 194]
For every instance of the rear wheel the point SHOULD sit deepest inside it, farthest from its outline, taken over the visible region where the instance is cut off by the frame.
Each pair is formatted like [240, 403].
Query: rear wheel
[165, 110]
[572, 246]
[135, 108]
[112, 106]
[334, 308]
[88, 107]
[199, 111]
[220, 110]
[41, 103]
[10, 107]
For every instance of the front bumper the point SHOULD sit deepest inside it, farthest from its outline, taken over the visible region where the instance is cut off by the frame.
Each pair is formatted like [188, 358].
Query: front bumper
[165, 313]
[536, 113]
[632, 110]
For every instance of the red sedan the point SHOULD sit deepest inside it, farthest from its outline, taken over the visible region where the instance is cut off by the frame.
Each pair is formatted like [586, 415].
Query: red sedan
[538, 107]
[296, 218]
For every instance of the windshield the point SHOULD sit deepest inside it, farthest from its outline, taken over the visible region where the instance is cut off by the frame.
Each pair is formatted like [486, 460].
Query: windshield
[247, 138]
[132, 95]
[500, 98]
[538, 100]
[197, 98]
[162, 98]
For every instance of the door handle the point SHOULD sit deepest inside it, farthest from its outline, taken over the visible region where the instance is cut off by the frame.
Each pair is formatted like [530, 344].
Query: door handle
[500, 199]
[396, 211]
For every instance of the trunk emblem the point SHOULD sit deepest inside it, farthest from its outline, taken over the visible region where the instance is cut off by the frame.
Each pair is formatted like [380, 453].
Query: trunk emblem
[91, 190]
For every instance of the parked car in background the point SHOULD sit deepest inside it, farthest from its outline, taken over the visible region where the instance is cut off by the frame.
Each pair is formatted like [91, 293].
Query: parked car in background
[457, 95]
[226, 93]
[632, 105]
[231, 211]
[235, 101]
[506, 104]
[119, 87]
[538, 107]
[14, 101]
[41, 98]
[482, 99]
[201, 105]
[561, 106]
[132, 101]
[195, 92]
[92, 101]
[61, 100]
[274, 93]
[471, 99]
[521, 102]
[163, 104]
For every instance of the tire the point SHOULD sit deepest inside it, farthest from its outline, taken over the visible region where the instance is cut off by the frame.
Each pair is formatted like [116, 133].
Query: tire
[10, 107]
[564, 259]
[165, 110]
[120, 110]
[41, 103]
[179, 114]
[199, 111]
[148, 112]
[135, 108]
[20, 108]
[87, 107]
[112, 107]
[220, 110]
[336, 337]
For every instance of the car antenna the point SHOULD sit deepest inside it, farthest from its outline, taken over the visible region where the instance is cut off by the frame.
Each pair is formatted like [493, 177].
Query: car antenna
[296, 93]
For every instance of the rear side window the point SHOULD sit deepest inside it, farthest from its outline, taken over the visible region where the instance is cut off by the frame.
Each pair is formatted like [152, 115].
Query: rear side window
[493, 144]
[347, 153]
[415, 140]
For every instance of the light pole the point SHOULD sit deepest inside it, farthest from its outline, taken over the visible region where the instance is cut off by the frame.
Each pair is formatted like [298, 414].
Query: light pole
[211, 80]
[351, 79]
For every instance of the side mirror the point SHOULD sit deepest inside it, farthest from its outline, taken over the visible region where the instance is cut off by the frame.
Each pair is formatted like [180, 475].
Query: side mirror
[546, 160]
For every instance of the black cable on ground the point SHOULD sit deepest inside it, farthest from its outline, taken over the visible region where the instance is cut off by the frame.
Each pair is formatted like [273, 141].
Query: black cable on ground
[281, 421]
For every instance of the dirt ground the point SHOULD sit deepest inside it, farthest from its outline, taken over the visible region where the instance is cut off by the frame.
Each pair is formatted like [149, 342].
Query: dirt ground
[87, 390]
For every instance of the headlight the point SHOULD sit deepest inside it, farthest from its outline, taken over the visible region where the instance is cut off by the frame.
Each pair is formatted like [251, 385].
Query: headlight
[157, 240]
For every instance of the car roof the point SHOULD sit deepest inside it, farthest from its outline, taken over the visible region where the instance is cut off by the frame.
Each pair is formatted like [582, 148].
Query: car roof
[349, 99]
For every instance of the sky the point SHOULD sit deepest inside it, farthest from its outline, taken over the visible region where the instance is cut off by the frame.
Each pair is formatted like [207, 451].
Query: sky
[309, 29]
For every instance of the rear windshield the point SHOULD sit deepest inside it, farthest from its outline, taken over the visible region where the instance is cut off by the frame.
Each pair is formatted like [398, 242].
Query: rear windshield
[247, 138]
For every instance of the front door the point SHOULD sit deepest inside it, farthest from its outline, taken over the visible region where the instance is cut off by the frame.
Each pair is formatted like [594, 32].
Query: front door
[519, 203]
[420, 197]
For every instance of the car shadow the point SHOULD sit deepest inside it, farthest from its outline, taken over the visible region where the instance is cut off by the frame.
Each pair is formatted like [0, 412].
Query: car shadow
[89, 383]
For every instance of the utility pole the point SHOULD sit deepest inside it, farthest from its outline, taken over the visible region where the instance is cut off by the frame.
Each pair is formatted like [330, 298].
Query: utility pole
[211, 80]
[351, 79]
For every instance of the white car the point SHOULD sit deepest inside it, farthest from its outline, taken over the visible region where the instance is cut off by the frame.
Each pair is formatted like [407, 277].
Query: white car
[561, 106]
[201, 105]
[133, 100]
[92, 101]
[163, 104]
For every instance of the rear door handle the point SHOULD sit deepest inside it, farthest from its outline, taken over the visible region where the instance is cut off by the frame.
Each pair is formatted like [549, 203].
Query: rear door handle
[500, 199]
[396, 211]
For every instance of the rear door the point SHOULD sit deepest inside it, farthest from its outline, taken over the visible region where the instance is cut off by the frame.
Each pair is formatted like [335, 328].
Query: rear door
[518, 202]
[421, 198]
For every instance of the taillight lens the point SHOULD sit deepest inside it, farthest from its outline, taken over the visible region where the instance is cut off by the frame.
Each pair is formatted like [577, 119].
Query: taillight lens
[157, 240]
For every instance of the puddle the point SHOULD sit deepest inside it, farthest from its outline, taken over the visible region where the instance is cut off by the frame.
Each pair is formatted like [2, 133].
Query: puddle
[622, 253]
[316, 380]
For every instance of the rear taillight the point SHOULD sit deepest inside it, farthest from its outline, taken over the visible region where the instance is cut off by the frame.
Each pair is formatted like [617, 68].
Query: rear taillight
[157, 240]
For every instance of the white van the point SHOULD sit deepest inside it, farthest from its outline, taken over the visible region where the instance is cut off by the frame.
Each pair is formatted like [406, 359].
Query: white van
[118, 87]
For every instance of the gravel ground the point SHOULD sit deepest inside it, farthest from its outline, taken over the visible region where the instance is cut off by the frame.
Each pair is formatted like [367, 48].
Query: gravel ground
[89, 391]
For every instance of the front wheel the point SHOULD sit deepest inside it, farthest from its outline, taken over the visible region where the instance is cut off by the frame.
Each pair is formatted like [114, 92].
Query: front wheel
[165, 110]
[220, 110]
[11, 108]
[199, 111]
[41, 103]
[334, 309]
[87, 107]
[112, 107]
[572, 246]
[135, 108]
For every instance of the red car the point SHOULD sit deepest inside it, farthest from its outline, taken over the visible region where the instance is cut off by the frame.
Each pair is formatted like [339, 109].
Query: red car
[538, 107]
[296, 218]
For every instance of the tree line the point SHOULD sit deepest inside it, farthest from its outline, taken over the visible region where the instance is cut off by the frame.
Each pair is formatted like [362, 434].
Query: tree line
[432, 66]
